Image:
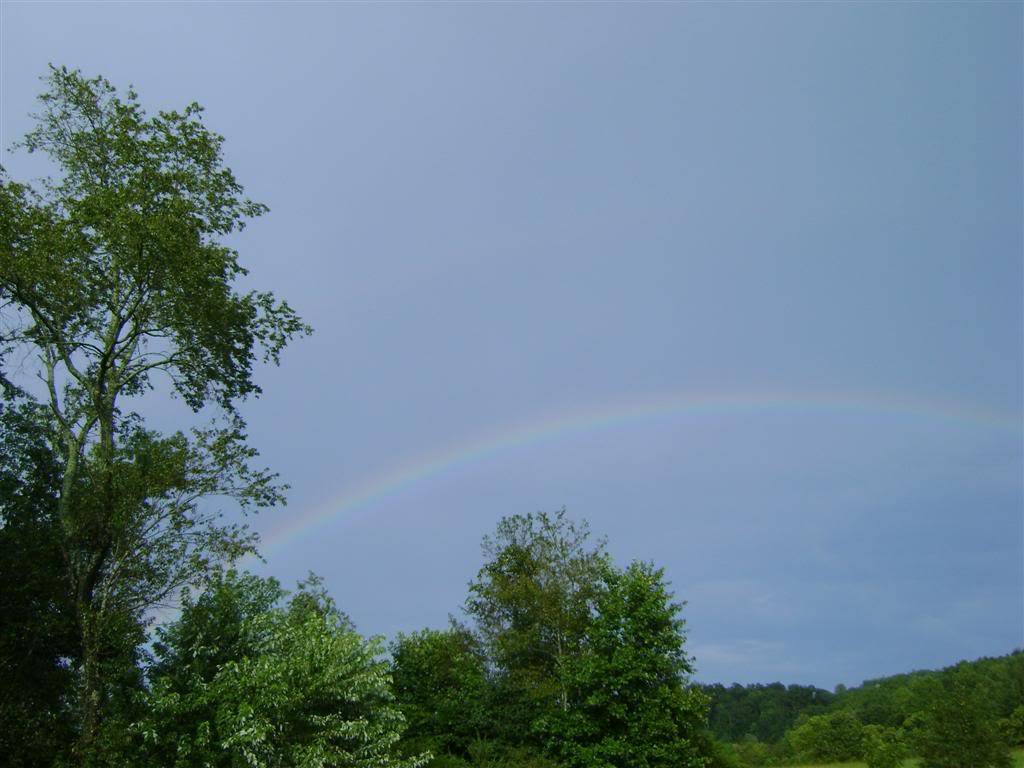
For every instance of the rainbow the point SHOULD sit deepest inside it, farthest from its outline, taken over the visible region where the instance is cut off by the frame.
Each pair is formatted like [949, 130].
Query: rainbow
[656, 408]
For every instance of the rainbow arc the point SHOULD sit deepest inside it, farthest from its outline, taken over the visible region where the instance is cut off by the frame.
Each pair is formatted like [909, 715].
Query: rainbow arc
[463, 455]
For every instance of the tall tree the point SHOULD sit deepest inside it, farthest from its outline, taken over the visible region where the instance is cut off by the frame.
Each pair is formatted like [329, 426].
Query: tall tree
[533, 602]
[112, 273]
[631, 705]
[441, 686]
[958, 727]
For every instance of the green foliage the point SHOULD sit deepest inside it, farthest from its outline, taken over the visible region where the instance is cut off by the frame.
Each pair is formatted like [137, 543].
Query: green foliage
[763, 711]
[242, 680]
[883, 747]
[958, 728]
[110, 274]
[532, 603]
[891, 701]
[1013, 727]
[717, 753]
[896, 703]
[491, 753]
[628, 704]
[833, 737]
[587, 663]
[752, 753]
[123, 250]
[38, 641]
[441, 686]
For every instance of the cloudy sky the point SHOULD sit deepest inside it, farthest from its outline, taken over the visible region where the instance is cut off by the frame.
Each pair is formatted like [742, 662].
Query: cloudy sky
[740, 284]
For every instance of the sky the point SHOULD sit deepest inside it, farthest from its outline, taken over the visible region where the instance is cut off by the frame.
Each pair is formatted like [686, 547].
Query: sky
[739, 284]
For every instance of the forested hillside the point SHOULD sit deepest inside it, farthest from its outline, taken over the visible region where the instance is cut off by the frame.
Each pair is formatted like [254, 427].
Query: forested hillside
[775, 724]
[892, 700]
[763, 711]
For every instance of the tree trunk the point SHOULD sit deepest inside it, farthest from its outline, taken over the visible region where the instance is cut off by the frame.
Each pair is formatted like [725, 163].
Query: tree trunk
[92, 684]
[94, 545]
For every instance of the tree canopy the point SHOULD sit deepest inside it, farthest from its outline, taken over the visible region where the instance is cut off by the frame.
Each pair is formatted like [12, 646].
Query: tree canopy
[629, 702]
[241, 679]
[586, 660]
[441, 681]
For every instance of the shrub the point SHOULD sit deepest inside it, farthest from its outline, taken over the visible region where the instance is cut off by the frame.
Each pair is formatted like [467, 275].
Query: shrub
[752, 752]
[241, 679]
[834, 737]
[1012, 727]
[883, 747]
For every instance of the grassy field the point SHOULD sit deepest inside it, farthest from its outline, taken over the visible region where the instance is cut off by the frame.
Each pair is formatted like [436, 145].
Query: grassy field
[1018, 762]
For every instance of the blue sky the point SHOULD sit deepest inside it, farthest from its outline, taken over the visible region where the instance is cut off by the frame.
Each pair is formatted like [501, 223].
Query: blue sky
[503, 217]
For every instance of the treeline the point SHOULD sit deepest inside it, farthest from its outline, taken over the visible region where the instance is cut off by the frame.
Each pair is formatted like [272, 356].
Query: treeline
[568, 660]
[764, 712]
[881, 721]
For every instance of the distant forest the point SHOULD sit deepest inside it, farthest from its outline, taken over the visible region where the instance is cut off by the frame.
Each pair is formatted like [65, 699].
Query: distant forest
[766, 723]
